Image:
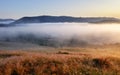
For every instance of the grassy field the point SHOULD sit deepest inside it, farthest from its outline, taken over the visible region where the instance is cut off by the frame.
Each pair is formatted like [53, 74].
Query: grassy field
[90, 60]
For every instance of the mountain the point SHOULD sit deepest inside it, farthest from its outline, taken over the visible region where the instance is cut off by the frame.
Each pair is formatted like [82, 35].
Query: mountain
[62, 19]
[6, 21]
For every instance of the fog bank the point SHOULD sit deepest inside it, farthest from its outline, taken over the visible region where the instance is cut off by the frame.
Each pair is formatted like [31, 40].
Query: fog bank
[62, 33]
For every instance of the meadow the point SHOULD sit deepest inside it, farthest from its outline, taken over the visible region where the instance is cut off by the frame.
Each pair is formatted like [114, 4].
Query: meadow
[88, 60]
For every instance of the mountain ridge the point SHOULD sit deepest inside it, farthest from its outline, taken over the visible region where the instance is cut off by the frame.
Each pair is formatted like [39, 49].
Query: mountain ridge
[62, 19]
[7, 19]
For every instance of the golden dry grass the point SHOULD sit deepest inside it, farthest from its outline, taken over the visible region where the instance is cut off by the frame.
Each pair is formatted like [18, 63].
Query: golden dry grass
[97, 60]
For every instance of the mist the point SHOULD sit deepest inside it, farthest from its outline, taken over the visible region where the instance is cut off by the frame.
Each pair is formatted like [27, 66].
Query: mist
[62, 34]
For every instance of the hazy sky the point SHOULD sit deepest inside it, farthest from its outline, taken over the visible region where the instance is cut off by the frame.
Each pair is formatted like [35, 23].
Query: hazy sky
[85, 8]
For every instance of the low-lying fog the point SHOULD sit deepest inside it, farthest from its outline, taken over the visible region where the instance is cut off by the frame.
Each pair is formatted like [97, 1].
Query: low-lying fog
[62, 33]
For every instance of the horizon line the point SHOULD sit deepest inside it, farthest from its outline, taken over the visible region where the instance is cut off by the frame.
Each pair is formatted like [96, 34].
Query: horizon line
[65, 16]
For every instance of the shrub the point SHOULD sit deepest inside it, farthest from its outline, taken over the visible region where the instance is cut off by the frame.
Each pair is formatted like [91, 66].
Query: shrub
[60, 52]
[101, 63]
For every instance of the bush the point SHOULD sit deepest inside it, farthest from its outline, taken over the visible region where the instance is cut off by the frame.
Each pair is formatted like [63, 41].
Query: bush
[60, 52]
[101, 63]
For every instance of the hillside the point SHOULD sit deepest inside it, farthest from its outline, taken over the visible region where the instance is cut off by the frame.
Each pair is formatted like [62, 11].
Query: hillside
[6, 21]
[62, 19]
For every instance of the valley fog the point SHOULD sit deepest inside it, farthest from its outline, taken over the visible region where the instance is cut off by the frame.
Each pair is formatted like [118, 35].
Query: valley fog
[60, 34]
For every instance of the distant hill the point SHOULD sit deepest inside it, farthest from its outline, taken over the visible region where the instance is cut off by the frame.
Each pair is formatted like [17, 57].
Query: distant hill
[6, 21]
[62, 19]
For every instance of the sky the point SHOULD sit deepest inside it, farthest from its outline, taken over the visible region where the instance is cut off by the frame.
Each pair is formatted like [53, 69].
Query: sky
[79, 8]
